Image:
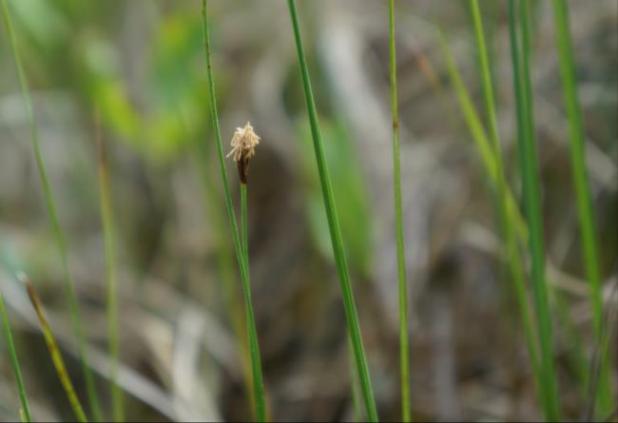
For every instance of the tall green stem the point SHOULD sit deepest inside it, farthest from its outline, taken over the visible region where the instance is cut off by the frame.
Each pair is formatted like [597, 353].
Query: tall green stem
[334, 228]
[21, 388]
[582, 195]
[404, 348]
[225, 265]
[528, 161]
[254, 349]
[54, 221]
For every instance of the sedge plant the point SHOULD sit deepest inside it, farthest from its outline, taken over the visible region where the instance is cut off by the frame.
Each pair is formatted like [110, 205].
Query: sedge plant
[351, 312]
[254, 349]
[404, 344]
[109, 241]
[514, 259]
[583, 197]
[514, 232]
[514, 228]
[54, 350]
[520, 33]
[57, 230]
[225, 266]
[243, 144]
[508, 224]
[24, 410]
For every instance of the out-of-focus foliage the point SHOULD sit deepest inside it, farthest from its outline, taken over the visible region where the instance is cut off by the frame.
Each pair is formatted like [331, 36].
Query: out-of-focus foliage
[349, 191]
[173, 111]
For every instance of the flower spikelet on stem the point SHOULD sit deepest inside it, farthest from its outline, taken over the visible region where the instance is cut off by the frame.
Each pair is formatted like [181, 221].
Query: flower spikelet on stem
[243, 145]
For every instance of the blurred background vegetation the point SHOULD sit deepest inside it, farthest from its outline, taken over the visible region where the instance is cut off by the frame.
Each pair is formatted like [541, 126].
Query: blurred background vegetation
[139, 64]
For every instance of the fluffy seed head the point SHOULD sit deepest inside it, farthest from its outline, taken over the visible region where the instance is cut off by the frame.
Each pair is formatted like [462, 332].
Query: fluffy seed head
[243, 149]
[243, 143]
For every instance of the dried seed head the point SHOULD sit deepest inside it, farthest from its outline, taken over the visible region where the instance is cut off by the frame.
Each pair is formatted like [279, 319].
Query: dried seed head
[243, 149]
[243, 143]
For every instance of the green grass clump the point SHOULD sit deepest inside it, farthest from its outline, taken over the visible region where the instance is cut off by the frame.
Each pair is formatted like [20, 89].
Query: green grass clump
[254, 349]
[50, 204]
[512, 224]
[508, 221]
[334, 228]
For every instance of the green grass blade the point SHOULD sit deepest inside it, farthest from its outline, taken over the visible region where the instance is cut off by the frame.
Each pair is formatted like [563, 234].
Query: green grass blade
[109, 240]
[21, 388]
[531, 183]
[334, 228]
[53, 216]
[506, 229]
[514, 227]
[256, 368]
[54, 351]
[582, 194]
[486, 80]
[404, 344]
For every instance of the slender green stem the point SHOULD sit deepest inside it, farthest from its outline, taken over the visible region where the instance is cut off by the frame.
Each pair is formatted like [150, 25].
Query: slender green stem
[528, 161]
[54, 351]
[54, 221]
[244, 240]
[488, 93]
[225, 265]
[109, 239]
[244, 226]
[404, 348]
[334, 228]
[21, 388]
[582, 193]
[258, 384]
[513, 256]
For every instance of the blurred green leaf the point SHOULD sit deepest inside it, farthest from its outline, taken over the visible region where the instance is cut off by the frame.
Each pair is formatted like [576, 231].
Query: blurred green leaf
[348, 186]
[176, 90]
[177, 47]
[41, 21]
